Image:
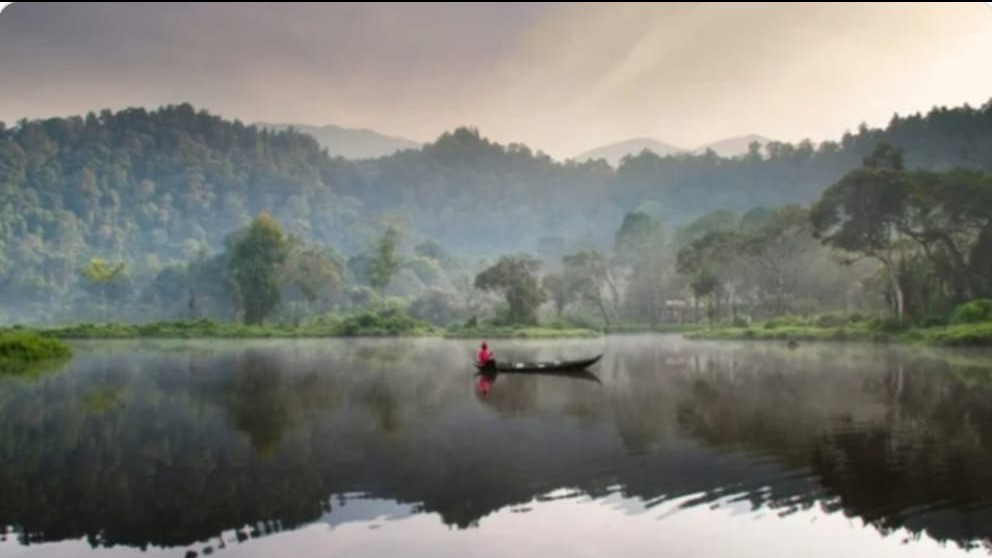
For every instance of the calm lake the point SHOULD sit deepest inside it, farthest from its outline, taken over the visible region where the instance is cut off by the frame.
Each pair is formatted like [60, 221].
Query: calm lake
[388, 448]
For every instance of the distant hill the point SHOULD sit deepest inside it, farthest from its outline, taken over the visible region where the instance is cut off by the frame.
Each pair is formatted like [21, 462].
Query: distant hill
[616, 151]
[350, 143]
[731, 147]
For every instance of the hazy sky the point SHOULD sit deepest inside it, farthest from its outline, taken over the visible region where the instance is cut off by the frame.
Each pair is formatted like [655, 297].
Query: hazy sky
[559, 77]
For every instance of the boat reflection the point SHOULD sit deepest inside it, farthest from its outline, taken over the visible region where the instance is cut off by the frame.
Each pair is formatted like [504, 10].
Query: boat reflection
[484, 380]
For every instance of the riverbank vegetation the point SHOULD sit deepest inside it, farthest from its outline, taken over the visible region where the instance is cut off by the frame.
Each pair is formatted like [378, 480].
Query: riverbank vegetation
[363, 324]
[22, 351]
[257, 233]
[854, 328]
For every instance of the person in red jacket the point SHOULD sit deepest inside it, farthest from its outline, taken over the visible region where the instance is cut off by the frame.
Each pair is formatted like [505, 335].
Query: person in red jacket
[485, 355]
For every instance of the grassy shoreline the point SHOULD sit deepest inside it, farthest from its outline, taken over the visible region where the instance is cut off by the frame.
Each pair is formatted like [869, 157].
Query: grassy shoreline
[961, 335]
[383, 324]
[532, 332]
[389, 324]
[216, 330]
[22, 351]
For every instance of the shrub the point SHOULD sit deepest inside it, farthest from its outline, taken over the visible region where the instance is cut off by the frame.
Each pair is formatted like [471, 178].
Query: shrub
[972, 312]
[25, 346]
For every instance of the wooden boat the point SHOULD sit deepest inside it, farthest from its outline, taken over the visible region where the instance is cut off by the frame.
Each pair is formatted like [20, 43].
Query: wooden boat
[562, 366]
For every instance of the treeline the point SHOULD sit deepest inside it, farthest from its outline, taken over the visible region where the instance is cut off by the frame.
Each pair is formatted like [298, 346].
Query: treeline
[264, 275]
[158, 189]
[917, 242]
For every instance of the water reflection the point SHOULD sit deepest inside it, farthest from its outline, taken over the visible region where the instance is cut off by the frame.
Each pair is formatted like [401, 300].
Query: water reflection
[139, 446]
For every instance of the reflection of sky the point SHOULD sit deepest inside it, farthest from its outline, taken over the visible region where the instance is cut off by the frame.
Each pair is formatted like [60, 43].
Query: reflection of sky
[561, 523]
[622, 460]
[353, 508]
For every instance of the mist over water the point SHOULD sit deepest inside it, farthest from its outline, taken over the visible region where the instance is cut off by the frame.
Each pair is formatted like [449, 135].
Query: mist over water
[307, 447]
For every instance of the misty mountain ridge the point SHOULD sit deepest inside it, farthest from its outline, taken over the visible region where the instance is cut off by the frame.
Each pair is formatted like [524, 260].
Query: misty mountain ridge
[733, 146]
[350, 143]
[158, 188]
[614, 152]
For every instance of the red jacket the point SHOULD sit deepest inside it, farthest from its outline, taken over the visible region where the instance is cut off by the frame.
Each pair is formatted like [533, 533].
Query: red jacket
[485, 355]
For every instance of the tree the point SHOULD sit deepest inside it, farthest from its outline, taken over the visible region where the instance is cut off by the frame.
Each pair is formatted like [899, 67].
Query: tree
[437, 307]
[255, 262]
[640, 244]
[707, 262]
[102, 275]
[589, 274]
[861, 213]
[637, 233]
[782, 247]
[650, 282]
[907, 220]
[945, 214]
[557, 287]
[385, 261]
[514, 277]
[312, 270]
[981, 260]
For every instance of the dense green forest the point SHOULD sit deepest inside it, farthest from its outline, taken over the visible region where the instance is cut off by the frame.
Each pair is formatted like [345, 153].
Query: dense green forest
[138, 214]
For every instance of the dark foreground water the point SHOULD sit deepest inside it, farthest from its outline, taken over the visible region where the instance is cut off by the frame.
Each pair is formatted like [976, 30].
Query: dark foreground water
[386, 448]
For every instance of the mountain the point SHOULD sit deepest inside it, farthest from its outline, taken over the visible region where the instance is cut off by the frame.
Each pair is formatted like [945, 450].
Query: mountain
[350, 143]
[732, 147]
[616, 151]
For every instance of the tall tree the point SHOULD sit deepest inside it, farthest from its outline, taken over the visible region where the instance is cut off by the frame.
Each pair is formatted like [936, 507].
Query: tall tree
[782, 248]
[515, 277]
[255, 262]
[709, 263]
[311, 270]
[638, 233]
[589, 273]
[385, 261]
[861, 214]
[556, 285]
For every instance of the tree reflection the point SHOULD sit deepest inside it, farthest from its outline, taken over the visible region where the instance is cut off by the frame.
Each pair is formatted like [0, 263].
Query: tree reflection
[148, 449]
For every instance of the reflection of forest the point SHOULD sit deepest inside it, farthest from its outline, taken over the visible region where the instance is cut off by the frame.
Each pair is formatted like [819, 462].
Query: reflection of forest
[169, 448]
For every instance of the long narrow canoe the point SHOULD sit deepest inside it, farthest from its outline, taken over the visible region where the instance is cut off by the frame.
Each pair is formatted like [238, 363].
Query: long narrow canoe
[551, 366]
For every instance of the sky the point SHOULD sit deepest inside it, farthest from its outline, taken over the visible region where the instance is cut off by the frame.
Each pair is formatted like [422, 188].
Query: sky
[562, 78]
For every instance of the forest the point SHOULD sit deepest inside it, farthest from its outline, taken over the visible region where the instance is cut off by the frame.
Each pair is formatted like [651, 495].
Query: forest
[177, 214]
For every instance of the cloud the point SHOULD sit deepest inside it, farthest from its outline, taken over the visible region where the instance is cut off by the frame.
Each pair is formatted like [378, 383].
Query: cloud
[560, 77]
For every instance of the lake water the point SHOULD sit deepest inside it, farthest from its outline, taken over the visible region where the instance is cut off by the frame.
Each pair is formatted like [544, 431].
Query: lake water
[388, 448]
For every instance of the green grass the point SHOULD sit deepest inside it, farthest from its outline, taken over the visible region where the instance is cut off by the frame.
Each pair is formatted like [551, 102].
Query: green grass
[378, 323]
[962, 335]
[511, 332]
[799, 333]
[648, 328]
[27, 352]
[19, 346]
